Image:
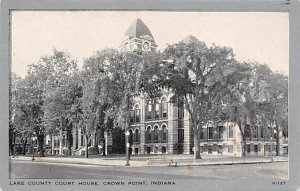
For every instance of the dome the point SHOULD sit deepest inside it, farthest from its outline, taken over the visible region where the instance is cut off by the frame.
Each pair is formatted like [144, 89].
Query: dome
[190, 39]
[138, 29]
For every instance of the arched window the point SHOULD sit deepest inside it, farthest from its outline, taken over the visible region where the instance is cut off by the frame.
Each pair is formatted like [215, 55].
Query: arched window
[137, 137]
[149, 110]
[156, 133]
[164, 107]
[157, 106]
[220, 130]
[137, 113]
[210, 131]
[164, 133]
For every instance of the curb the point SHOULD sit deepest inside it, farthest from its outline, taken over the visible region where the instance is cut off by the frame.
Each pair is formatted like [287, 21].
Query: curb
[148, 165]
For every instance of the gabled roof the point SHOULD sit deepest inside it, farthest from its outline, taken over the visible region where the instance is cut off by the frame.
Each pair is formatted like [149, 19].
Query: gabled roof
[190, 39]
[138, 29]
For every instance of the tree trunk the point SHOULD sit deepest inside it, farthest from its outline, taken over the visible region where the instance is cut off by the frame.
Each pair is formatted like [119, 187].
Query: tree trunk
[277, 141]
[11, 147]
[244, 147]
[69, 142]
[24, 149]
[243, 139]
[196, 145]
[104, 148]
[96, 148]
[86, 147]
[40, 139]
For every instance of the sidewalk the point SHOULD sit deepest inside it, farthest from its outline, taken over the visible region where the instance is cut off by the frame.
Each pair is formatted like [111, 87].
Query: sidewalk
[163, 160]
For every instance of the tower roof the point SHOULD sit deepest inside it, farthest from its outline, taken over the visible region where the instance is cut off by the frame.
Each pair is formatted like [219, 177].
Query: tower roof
[190, 39]
[138, 29]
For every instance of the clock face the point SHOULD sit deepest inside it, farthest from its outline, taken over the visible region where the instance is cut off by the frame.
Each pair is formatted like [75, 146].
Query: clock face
[146, 46]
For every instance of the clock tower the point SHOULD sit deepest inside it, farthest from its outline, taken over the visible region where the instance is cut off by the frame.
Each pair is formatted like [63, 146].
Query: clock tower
[138, 38]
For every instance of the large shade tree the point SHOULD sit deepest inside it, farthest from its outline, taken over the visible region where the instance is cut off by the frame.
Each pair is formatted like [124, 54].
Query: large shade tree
[201, 78]
[114, 78]
[61, 95]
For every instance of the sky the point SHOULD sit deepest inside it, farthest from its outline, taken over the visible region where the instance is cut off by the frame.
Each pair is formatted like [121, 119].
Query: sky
[253, 36]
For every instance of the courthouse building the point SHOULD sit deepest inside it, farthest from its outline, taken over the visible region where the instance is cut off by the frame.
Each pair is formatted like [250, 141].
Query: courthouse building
[161, 127]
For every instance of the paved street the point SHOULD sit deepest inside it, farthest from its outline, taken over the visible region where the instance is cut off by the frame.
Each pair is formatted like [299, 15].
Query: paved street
[43, 170]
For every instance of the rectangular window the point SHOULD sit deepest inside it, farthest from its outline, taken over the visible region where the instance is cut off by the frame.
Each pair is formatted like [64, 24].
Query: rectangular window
[256, 148]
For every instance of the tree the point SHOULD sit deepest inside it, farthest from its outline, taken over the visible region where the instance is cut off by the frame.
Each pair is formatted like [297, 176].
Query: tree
[260, 100]
[28, 114]
[115, 78]
[199, 77]
[61, 94]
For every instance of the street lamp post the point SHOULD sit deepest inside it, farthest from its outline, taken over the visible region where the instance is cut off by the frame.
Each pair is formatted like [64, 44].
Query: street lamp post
[127, 148]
